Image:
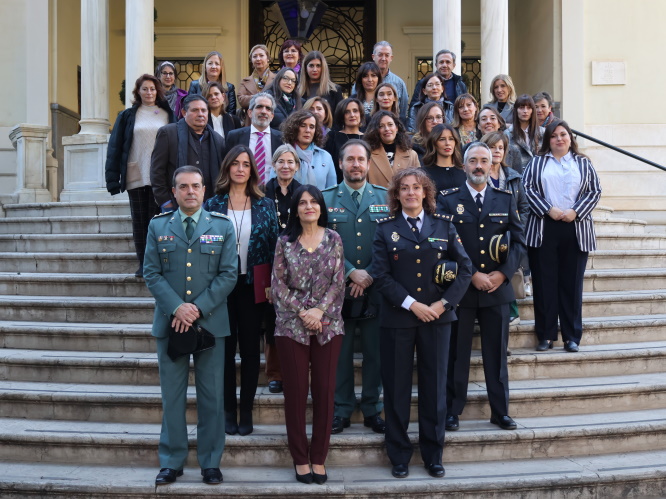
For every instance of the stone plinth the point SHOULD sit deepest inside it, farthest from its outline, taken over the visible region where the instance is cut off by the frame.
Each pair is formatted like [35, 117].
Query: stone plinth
[30, 142]
[85, 155]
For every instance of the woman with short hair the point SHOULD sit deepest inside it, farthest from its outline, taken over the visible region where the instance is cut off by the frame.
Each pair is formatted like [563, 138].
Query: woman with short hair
[315, 79]
[503, 95]
[285, 92]
[291, 55]
[544, 108]
[237, 195]
[128, 155]
[390, 146]
[432, 91]
[166, 73]
[213, 70]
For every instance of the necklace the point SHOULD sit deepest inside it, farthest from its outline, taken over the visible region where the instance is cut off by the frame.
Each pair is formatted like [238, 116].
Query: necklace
[238, 226]
[309, 249]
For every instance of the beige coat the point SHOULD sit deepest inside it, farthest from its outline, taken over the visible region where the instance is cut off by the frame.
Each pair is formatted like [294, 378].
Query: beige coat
[380, 171]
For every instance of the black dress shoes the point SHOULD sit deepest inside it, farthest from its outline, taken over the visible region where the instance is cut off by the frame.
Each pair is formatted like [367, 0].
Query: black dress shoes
[544, 345]
[139, 272]
[212, 476]
[230, 424]
[400, 471]
[167, 475]
[339, 424]
[245, 426]
[452, 423]
[319, 479]
[376, 423]
[305, 478]
[504, 422]
[275, 386]
[570, 346]
[435, 470]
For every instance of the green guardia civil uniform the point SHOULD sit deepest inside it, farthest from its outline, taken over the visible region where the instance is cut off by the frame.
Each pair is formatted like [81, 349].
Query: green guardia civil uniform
[356, 226]
[202, 271]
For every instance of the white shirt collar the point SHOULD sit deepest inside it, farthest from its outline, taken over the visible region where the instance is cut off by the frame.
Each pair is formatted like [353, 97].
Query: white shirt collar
[565, 159]
[255, 130]
[474, 192]
[420, 216]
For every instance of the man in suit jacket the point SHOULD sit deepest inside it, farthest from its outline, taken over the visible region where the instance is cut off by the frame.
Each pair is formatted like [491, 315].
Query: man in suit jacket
[481, 211]
[189, 142]
[354, 207]
[190, 267]
[259, 136]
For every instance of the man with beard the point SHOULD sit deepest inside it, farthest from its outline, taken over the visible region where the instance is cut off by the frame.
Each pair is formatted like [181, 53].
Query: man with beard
[487, 221]
[354, 206]
[259, 136]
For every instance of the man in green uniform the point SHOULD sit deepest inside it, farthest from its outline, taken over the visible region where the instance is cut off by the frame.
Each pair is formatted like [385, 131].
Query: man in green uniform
[190, 267]
[354, 206]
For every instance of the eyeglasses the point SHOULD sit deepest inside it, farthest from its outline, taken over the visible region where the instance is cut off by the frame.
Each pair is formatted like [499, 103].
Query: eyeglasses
[434, 85]
[289, 80]
[167, 74]
[435, 119]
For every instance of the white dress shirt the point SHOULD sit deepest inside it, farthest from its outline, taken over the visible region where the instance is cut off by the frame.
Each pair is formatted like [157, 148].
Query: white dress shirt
[561, 181]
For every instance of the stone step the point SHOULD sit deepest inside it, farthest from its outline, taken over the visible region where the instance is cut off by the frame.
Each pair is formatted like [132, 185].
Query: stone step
[600, 280]
[602, 211]
[80, 284]
[111, 207]
[617, 225]
[627, 259]
[125, 310]
[55, 441]
[631, 241]
[136, 368]
[93, 243]
[610, 303]
[143, 404]
[100, 263]
[107, 224]
[601, 476]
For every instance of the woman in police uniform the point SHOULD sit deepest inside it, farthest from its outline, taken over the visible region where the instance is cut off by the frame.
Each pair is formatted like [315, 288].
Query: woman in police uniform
[416, 313]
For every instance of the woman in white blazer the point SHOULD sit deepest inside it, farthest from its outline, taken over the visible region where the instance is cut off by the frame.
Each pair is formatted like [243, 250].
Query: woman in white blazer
[562, 189]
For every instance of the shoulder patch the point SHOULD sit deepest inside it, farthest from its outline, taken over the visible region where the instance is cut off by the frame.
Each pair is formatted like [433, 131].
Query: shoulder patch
[219, 215]
[163, 214]
[446, 192]
[332, 188]
[505, 191]
[386, 219]
[441, 216]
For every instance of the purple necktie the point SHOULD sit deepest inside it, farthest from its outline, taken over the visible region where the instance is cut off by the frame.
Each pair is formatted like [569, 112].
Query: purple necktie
[260, 156]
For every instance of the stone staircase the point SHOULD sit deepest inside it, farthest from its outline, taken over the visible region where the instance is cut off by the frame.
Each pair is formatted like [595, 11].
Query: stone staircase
[80, 405]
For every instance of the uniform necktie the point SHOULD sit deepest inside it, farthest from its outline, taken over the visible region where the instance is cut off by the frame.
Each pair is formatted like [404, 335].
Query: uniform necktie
[260, 156]
[355, 195]
[479, 203]
[413, 222]
[189, 230]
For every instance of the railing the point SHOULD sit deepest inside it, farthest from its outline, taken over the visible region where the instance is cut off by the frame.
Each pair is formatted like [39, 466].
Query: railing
[622, 151]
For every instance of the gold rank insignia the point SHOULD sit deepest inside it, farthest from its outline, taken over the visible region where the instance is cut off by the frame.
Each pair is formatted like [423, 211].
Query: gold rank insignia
[460, 209]
[395, 237]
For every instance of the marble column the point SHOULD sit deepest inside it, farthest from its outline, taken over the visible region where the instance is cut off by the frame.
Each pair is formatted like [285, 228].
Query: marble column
[139, 42]
[494, 43]
[85, 152]
[446, 29]
[31, 181]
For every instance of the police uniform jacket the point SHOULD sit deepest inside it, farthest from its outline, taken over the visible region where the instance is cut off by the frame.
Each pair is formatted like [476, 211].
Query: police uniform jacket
[403, 265]
[202, 271]
[356, 226]
[499, 215]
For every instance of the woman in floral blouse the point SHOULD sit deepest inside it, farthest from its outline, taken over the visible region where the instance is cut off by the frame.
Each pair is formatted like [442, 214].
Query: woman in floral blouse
[308, 290]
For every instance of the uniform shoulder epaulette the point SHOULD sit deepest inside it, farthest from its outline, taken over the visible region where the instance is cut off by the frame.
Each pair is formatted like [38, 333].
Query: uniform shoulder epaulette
[505, 191]
[446, 192]
[163, 214]
[332, 188]
[441, 216]
[386, 219]
[218, 214]
[378, 187]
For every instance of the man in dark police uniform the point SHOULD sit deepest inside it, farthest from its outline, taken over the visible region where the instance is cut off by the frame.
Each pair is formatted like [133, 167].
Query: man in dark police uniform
[190, 267]
[488, 223]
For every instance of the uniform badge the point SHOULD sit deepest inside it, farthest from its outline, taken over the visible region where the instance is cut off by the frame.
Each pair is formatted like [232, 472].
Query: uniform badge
[330, 210]
[211, 238]
[159, 239]
[335, 209]
[342, 210]
[460, 209]
[378, 208]
[503, 248]
[439, 256]
[165, 238]
[395, 237]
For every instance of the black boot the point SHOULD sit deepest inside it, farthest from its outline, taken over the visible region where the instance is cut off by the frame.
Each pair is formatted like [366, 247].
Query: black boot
[230, 425]
[245, 426]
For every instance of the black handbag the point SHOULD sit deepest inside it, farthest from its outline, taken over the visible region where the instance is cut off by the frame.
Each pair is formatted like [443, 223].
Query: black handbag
[359, 307]
[195, 339]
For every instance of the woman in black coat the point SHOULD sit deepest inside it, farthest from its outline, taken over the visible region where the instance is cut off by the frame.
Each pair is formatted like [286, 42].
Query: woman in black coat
[213, 65]
[286, 94]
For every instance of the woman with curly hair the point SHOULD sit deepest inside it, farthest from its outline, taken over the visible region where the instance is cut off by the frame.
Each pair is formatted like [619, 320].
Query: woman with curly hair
[303, 131]
[391, 148]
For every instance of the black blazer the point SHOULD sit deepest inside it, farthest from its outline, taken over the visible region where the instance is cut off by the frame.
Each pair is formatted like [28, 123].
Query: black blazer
[403, 265]
[195, 88]
[498, 216]
[242, 136]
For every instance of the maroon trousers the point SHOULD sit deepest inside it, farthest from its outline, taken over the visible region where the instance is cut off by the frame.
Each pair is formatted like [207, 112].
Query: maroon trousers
[299, 364]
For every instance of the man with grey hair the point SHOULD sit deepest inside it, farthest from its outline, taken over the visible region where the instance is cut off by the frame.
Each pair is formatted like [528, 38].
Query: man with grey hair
[259, 136]
[445, 62]
[489, 226]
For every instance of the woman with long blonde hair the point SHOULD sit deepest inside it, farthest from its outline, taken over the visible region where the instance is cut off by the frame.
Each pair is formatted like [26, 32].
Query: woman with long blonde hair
[213, 70]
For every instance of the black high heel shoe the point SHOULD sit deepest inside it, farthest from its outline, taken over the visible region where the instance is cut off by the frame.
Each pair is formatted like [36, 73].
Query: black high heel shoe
[306, 478]
[320, 479]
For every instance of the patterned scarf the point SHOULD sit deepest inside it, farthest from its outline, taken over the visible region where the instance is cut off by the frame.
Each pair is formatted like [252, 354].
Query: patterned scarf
[261, 80]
